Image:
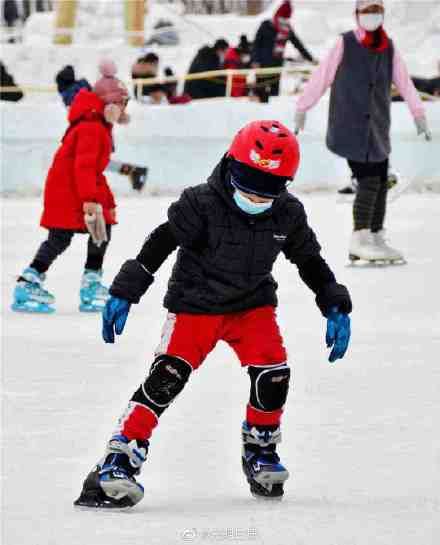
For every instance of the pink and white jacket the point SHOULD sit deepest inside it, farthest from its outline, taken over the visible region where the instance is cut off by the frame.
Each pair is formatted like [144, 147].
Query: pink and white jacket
[323, 77]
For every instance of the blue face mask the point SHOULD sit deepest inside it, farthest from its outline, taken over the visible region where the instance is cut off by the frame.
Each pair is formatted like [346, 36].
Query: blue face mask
[248, 206]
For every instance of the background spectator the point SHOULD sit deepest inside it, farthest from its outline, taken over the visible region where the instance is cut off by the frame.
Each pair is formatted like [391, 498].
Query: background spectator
[145, 67]
[6, 80]
[11, 16]
[68, 86]
[208, 58]
[238, 58]
[270, 43]
[156, 95]
[171, 90]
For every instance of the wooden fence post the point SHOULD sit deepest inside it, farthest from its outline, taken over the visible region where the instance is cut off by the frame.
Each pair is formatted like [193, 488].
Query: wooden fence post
[134, 20]
[254, 7]
[65, 21]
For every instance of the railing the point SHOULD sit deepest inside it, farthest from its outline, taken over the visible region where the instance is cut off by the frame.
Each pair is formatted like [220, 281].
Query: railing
[138, 83]
[229, 74]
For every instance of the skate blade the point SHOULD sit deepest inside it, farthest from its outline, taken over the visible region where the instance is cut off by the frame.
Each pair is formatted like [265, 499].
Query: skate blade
[261, 498]
[34, 309]
[357, 262]
[102, 508]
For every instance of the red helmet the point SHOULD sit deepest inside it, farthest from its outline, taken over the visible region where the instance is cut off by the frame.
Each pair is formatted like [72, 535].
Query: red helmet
[268, 146]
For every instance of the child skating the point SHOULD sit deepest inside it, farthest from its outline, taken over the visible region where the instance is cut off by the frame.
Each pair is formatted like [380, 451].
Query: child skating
[229, 231]
[360, 69]
[77, 199]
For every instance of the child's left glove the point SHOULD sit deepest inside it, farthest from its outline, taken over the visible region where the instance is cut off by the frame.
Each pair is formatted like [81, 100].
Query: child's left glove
[338, 333]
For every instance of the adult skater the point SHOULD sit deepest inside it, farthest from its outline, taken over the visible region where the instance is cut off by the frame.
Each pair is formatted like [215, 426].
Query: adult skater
[77, 198]
[361, 68]
[230, 231]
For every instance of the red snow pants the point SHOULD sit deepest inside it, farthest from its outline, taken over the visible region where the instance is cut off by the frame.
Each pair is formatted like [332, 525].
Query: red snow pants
[254, 336]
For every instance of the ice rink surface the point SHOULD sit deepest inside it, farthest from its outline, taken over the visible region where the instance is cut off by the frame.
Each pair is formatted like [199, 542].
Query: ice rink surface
[361, 437]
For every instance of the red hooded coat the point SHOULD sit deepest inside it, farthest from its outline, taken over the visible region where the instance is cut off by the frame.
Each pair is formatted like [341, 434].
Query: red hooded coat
[76, 175]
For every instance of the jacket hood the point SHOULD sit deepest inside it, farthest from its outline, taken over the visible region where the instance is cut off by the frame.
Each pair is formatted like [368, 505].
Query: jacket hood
[86, 105]
[220, 182]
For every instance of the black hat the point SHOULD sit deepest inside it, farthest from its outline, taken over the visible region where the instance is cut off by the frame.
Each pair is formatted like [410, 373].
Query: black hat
[221, 43]
[244, 47]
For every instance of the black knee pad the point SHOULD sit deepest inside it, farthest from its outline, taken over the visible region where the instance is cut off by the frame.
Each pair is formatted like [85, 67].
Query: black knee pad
[167, 378]
[269, 386]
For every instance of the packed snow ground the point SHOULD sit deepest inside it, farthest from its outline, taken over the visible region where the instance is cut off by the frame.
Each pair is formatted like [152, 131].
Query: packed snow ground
[360, 437]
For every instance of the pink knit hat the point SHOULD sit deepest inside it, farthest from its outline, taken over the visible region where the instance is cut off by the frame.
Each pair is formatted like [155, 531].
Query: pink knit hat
[109, 88]
[363, 4]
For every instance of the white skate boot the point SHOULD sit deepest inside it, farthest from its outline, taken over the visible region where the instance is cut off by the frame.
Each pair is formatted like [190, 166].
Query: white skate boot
[364, 249]
[394, 257]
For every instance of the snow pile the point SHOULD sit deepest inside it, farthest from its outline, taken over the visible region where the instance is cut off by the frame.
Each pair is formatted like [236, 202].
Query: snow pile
[181, 144]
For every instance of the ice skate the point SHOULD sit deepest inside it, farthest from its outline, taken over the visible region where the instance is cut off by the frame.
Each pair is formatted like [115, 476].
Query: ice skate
[93, 295]
[138, 177]
[30, 295]
[394, 257]
[367, 248]
[111, 484]
[261, 464]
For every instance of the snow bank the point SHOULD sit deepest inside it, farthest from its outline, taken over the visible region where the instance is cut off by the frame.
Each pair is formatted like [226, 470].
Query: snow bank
[181, 144]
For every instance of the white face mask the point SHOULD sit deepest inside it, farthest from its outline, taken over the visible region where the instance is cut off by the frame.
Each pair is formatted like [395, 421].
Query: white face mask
[370, 21]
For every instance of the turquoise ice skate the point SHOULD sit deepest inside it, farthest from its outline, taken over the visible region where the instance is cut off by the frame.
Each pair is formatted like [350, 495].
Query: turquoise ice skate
[93, 295]
[30, 295]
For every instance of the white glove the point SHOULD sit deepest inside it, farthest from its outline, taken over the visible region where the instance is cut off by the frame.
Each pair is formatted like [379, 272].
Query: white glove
[300, 121]
[95, 224]
[422, 128]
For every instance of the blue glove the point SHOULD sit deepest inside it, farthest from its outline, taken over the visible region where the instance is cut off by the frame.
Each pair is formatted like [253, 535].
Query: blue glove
[338, 333]
[114, 317]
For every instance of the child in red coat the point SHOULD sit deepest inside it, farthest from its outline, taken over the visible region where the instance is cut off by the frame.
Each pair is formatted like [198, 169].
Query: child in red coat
[77, 197]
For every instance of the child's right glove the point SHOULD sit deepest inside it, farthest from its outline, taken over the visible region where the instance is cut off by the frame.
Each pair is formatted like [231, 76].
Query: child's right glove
[129, 285]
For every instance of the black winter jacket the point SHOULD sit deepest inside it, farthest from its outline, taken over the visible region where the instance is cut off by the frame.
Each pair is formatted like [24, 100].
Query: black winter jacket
[205, 60]
[263, 46]
[6, 80]
[226, 256]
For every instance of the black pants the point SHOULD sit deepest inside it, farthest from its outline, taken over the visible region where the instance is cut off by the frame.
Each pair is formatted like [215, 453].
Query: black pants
[369, 206]
[58, 241]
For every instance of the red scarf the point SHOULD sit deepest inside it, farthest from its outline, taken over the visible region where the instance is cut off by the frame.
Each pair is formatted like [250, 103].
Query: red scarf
[376, 41]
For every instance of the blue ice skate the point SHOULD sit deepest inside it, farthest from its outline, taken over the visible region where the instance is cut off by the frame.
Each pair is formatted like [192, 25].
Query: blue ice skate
[29, 294]
[93, 295]
[111, 484]
[261, 464]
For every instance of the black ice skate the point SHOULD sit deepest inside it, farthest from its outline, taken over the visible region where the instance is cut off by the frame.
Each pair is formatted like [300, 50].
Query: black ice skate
[111, 484]
[261, 464]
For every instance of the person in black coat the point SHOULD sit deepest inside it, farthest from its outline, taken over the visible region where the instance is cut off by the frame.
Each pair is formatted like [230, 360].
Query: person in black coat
[230, 232]
[270, 42]
[208, 59]
[6, 80]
